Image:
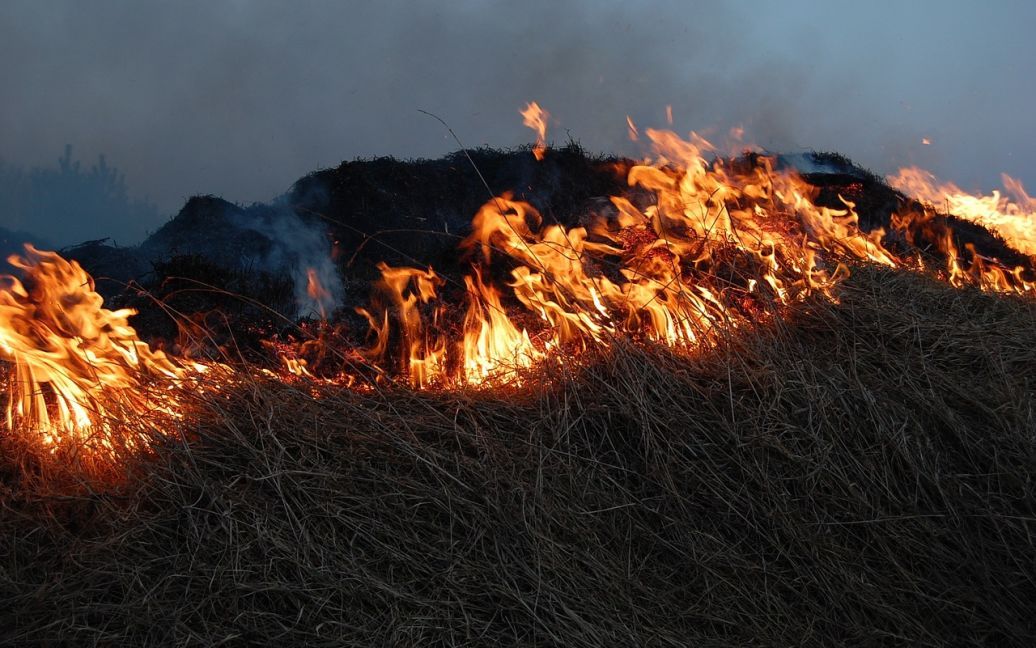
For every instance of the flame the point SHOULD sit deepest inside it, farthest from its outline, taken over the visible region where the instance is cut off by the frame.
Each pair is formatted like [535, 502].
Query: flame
[76, 368]
[716, 247]
[1014, 220]
[698, 249]
[719, 245]
[494, 349]
[406, 290]
[961, 270]
[317, 292]
[536, 118]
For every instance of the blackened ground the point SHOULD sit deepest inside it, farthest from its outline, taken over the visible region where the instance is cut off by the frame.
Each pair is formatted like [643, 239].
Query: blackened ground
[194, 306]
[415, 213]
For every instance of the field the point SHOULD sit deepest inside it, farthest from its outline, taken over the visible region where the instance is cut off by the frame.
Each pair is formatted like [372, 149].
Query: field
[856, 473]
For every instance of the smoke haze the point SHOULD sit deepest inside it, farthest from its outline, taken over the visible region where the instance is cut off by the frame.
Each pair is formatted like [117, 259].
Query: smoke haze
[240, 98]
[298, 249]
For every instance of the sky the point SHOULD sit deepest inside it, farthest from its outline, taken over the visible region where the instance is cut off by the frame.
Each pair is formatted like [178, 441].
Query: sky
[240, 98]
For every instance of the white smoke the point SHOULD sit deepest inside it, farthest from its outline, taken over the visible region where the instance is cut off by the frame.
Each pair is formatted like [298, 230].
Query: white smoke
[301, 249]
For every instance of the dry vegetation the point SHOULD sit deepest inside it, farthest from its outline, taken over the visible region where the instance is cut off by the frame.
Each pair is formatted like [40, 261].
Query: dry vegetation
[859, 473]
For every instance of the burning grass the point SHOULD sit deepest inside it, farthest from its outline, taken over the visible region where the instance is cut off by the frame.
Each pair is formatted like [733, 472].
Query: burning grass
[858, 473]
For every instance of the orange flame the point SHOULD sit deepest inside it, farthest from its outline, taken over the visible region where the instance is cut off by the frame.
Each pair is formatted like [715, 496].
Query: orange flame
[536, 118]
[714, 247]
[1014, 220]
[76, 368]
[701, 248]
[406, 290]
[317, 292]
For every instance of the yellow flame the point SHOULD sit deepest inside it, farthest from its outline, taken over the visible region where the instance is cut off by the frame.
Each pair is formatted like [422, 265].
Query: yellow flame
[493, 348]
[699, 248]
[715, 247]
[75, 366]
[1012, 216]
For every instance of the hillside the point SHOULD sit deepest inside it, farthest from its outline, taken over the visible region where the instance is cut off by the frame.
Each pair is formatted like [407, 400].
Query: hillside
[730, 406]
[860, 474]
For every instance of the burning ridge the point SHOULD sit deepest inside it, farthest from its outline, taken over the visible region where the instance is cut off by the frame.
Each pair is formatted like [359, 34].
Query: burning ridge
[730, 404]
[692, 251]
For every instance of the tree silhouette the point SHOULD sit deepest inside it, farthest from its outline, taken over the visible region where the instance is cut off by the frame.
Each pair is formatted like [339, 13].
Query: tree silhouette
[68, 204]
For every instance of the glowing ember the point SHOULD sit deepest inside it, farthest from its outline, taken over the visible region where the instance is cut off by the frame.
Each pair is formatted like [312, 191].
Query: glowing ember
[536, 118]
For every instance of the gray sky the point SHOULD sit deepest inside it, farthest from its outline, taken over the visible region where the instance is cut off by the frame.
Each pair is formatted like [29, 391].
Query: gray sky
[240, 98]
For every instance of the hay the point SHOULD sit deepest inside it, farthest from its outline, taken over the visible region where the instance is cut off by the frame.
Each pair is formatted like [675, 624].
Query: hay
[859, 473]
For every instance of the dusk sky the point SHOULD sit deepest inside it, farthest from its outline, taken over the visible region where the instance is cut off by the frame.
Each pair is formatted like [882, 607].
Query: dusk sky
[240, 98]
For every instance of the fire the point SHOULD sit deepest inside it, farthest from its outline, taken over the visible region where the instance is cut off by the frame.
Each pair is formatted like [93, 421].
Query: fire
[962, 270]
[317, 292]
[699, 248]
[405, 290]
[720, 244]
[76, 369]
[536, 118]
[1012, 216]
[717, 247]
[494, 349]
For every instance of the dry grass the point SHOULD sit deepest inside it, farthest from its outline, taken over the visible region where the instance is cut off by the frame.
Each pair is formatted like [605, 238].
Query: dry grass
[861, 474]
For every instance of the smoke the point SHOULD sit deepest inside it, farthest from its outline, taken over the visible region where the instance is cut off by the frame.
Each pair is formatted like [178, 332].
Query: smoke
[300, 249]
[239, 99]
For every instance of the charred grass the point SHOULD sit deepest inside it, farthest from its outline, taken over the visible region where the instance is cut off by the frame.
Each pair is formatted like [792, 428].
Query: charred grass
[855, 474]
